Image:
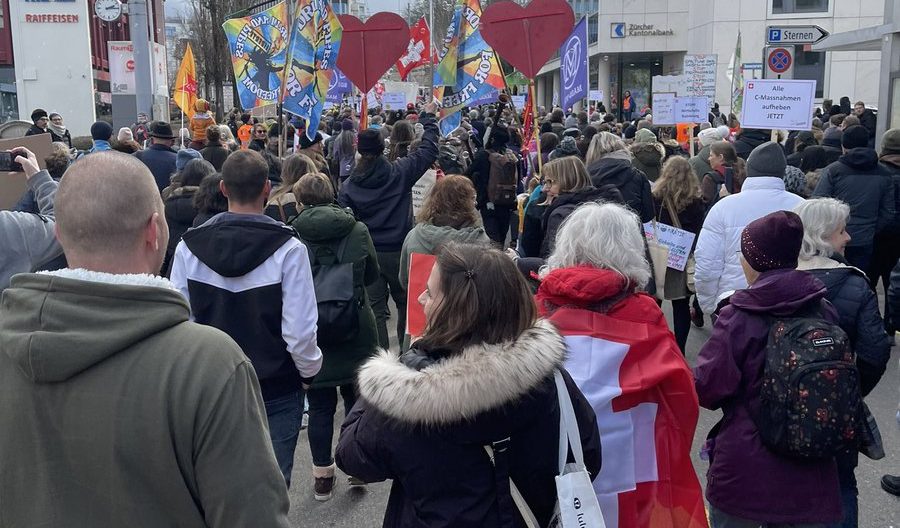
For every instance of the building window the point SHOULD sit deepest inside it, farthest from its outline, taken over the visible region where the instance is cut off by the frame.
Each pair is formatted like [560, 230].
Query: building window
[810, 66]
[790, 7]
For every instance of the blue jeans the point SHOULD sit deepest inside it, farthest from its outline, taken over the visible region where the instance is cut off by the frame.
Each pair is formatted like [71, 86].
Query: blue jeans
[285, 415]
[720, 519]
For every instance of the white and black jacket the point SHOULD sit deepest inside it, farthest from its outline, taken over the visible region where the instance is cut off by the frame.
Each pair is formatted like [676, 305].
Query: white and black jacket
[249, 277]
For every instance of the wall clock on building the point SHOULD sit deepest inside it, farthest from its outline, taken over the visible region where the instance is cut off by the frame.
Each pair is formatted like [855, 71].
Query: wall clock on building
[108, 10]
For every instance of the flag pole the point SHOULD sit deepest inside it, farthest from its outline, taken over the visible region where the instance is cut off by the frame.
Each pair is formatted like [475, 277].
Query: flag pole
[431, 49]
[531, 93]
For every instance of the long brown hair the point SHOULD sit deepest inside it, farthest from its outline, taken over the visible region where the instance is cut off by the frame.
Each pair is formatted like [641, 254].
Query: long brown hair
[677, 183]
[294, 167]
[485, 299]
[451, 202]
[569, 172]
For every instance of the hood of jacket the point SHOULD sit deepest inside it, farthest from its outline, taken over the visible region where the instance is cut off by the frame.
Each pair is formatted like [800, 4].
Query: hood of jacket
[429, 236]
[779, 293]
[861, 158]
[463, 386]
[374, 176]
[56, 325]
[649, 154]
[606, 193]
[180, 205]
[755, 136]
[891, 160]
[321, 223]
[581, 287]
[611, 169]
[233, 245]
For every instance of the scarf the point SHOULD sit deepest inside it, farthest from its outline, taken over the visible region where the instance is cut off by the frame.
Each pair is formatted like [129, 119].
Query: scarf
[59, 130]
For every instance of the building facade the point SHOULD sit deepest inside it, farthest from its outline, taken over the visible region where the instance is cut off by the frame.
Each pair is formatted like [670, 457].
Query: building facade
[639, 39]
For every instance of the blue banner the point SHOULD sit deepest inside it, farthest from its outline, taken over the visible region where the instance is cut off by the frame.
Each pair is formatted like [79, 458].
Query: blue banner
[339, 87]
[573, 65]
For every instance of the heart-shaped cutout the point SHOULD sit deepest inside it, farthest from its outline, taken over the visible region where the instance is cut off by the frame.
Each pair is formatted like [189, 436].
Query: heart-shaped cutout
[527, 37]
[369, 49]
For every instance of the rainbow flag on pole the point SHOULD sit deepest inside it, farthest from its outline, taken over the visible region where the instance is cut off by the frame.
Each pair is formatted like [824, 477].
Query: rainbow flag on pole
[258, 46]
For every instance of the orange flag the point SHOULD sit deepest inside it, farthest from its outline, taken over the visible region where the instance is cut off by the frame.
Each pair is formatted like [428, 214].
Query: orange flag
[185, 92]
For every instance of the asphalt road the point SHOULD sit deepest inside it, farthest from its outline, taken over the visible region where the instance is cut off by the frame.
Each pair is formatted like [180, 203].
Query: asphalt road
[364, 508]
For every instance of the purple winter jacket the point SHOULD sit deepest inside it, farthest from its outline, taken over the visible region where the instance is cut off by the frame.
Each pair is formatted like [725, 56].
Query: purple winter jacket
[745, 479]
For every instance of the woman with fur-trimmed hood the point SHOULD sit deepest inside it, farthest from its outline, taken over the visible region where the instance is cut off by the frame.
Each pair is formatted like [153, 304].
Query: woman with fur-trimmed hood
[482, 374]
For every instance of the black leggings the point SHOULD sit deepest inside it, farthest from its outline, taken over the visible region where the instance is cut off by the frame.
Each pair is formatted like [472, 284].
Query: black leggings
[322, 408]
[681, 321]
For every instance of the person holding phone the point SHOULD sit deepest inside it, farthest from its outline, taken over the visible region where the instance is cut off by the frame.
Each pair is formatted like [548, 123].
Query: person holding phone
[27, 239]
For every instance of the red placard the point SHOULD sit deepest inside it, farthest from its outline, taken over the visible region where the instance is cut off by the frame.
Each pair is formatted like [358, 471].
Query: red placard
[527, 36]
[419, 269]
[368, 50]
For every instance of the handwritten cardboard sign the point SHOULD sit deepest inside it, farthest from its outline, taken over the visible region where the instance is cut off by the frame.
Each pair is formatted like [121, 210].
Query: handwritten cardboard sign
[677, 240]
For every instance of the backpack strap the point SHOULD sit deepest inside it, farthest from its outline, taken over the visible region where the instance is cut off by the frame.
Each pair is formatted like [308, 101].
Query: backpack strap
[499, 459]
[672, 213]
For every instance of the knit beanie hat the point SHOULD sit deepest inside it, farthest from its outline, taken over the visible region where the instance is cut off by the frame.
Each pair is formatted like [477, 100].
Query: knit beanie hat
[184, 156]
[767, 160]
[890, 142]
[832, 137]
[724, 131]
[305, 142]
[567, 147]
[773, 241]
[370, 142]
[855, 137]
[644, 135]
[101, 130]
[125, 134]
[38, 114]
[709, 136]
[347, 124]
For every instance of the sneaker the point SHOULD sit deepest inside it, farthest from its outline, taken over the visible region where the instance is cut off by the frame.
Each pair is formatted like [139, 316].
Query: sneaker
[891, 484]
[304, 422]
[696, 317]
[324, 488]
[355, 482]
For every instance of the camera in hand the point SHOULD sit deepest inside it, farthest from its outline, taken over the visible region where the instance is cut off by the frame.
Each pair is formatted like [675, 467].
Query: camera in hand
[7, 164]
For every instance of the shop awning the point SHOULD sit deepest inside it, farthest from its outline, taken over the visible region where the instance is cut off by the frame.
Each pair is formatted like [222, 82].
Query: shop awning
[863, 39]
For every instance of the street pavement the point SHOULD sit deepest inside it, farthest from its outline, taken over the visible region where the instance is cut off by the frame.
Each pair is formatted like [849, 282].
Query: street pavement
[364, 508]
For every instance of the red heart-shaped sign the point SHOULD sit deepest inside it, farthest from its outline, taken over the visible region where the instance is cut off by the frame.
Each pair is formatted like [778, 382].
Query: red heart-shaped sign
[368, 50]
[527, 36]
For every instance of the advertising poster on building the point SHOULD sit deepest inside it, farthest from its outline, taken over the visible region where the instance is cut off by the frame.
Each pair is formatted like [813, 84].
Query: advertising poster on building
[778, 104]
[121, 67]
[700, 75]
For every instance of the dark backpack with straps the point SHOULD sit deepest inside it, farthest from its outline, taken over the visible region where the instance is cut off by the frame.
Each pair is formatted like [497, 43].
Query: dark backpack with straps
[336, 301]
[810, 399]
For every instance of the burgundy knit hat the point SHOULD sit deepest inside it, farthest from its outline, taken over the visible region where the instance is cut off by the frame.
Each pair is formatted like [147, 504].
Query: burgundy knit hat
[773, 241]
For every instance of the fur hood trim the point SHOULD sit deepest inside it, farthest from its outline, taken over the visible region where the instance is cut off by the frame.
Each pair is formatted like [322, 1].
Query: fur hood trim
[131, 279]
[461, 387]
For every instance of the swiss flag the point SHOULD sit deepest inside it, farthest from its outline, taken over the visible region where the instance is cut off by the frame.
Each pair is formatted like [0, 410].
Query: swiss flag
[626, 363]
[417, 52]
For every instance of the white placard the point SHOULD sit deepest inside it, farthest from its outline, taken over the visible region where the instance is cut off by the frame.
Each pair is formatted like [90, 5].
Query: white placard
[518, 101]
[663, 108]
[595, 95]
[677, 240]
[669, 83]
[372, 99]
[691, 109]
[421, 190]
[778, 103]
[393, 100]
[700, 75]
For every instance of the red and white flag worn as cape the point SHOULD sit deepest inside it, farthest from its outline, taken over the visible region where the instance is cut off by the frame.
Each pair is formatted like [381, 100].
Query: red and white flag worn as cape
[417, 53]
[626, 362]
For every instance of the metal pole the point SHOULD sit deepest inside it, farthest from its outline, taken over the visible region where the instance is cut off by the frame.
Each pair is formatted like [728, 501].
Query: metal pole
[138, 24]
[430, 50]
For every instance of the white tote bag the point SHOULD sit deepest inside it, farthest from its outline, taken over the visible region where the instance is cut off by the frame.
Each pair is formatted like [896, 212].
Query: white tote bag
[576, 502]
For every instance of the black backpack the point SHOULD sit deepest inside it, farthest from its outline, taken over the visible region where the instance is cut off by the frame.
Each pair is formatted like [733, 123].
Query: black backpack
[337, 304]
[810, 399]
[502, 178]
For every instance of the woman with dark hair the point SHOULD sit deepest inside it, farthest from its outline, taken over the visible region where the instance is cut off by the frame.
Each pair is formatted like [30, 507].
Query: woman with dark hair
[214, 151]
[480, 379]
[722, 159]
[402, 134]
[282, 204]
[333, 236]
[447, 214]
[814, 158]
[259, 138]
[343, 151]
[179, 206]
[801, 142]
[209, 200]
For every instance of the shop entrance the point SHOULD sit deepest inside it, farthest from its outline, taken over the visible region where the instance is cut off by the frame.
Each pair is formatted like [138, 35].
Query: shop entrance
[633, 73]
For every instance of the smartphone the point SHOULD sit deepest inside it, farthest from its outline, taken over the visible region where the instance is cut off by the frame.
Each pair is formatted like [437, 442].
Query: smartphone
[7, 164]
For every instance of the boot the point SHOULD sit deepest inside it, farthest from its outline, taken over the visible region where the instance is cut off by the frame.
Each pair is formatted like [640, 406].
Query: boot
[324, 482]
[891, 484]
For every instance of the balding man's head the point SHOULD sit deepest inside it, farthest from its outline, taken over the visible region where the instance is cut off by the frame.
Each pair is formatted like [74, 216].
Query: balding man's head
[105, 209]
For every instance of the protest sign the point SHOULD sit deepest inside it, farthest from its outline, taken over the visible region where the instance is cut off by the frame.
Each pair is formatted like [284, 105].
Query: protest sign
[700, 75]
[778, 104]
[518, 101]
[669, 83]
[419, 269]
[663, 106]
[595, 95]
[409, 88]
[393, 100]
[677, 240]
[668, 109]
[421, 189]
[370, 48]
[12, 184]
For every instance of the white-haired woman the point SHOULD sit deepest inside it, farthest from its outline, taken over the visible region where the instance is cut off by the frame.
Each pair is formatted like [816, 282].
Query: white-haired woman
[228, 138]
[621, 351]
[610, 162]
[822, 254]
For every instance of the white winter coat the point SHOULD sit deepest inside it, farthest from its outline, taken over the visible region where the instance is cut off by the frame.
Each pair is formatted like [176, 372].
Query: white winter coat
[718, 273]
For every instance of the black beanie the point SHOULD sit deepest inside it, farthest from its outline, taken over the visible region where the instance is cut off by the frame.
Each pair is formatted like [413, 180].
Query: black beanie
[101, 130]
[855, 137]
[370, 141]
[38, 114]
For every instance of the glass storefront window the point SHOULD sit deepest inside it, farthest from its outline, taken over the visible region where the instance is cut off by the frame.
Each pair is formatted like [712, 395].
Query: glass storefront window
[810, 66]
[789, 7]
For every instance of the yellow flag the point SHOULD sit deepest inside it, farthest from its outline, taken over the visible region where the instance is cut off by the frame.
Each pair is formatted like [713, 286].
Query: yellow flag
[185, 93]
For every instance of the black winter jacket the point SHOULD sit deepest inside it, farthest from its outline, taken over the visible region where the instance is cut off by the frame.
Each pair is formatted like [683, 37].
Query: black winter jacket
[865, 185]
[857, 307]
[160, 159]
[480, 172]
[215, 153]
[749, 139]
[565, 204]
[180, 214]
[893, 297]
[381, 194]
[426, 428]
[891, 164]
[631, 182]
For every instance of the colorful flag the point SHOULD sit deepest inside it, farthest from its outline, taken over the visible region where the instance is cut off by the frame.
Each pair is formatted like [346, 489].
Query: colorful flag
[642, 391]
[339, 86]
[735, 74]
[573, 65]
[258, 52]
[469, 68]
[417, 52]
[315, 43]
[185, 93]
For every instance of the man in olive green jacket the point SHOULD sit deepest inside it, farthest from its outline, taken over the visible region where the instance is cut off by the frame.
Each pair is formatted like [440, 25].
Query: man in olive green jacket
[115, 409]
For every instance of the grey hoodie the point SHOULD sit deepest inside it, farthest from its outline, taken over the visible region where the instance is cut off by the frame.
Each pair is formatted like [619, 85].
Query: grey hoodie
[115, 410]
[426, 238]
[27, 239]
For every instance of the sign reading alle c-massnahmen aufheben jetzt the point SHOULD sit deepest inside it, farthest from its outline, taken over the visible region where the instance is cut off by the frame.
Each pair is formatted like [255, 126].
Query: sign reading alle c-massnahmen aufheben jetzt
[778, 104]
